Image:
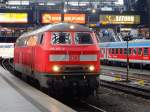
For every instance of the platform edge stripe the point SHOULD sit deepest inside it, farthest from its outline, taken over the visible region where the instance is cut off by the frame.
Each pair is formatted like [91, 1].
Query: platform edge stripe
[47, 103]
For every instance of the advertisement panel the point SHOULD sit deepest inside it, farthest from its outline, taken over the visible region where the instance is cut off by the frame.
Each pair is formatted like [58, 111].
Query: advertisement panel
[119, 19]
[51, 18]
[74, 18]
[13, 18]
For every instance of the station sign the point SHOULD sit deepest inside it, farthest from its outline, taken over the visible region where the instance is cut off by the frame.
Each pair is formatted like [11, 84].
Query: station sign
[56, 18]
[74, 18]
[51, 18]
[13, 18]
[119, 19]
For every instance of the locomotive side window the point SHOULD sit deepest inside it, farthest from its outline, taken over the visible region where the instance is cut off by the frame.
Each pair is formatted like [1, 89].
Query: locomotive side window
[83, 38]
[61, 38]
[32, 40]
[20, 42]
[40, 38]
[145, 51]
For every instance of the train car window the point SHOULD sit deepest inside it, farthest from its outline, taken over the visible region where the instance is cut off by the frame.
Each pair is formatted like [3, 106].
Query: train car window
[125, 50]
[145, 51]
[139, 51]
[101, 50]
[120, 50]
[113, 51]
[61, 38]
[110, 51]
[83, 38]
[130, 51]
[134, 51]
[116, 51]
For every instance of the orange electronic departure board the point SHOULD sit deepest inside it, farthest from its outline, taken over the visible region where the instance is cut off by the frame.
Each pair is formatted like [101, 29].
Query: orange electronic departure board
[69, 18]
[51, 18]
[74, 18]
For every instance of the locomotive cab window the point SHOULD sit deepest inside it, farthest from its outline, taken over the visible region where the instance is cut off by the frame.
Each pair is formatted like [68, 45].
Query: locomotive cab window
[61, 38]
[83, 38]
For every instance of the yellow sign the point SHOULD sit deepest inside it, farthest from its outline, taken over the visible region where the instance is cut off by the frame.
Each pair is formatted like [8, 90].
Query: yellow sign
[120, 19]
[13, 17]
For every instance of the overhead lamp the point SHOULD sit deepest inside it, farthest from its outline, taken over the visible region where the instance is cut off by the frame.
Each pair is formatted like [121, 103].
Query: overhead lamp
[65, 10]
[71, 26]
[93, 10]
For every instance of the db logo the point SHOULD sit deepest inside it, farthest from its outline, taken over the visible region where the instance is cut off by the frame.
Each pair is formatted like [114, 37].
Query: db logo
[74, 58]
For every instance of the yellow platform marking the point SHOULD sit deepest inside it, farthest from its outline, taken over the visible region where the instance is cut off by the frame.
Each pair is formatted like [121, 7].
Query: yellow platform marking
[117, 78]
[141, 82]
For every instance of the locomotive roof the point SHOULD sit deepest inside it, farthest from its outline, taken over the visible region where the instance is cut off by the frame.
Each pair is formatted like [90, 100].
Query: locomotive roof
[58, 27]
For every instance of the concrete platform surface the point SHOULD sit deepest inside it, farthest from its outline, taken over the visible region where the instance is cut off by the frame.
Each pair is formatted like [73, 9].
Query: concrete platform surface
[17, 96]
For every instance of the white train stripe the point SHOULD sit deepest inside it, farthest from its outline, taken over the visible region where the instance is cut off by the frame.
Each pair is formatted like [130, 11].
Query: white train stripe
[59, 57]
[88, 57]
[130, 60]
[66, 57]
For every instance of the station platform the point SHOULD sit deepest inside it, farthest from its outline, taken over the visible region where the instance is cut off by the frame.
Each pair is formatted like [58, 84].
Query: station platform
[131, 70]
[17, 96]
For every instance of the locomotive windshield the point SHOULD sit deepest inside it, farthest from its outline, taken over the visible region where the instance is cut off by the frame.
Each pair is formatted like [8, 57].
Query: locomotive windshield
[83, 38]
[61, 38]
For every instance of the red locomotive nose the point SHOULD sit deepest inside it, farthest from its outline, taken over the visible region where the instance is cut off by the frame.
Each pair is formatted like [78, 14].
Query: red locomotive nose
[74, 51]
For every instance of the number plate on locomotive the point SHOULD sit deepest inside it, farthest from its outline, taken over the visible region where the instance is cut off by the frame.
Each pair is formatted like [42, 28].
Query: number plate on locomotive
[74, 58]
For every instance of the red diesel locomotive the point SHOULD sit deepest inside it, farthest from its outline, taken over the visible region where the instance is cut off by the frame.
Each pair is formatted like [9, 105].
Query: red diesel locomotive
[59, 56]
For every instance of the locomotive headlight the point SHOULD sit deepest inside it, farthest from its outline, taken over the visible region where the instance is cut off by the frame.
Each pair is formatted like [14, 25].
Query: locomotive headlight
[91, 68]
[56, 68]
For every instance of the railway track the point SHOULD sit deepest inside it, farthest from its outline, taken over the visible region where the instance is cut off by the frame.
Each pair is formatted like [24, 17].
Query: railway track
[142, 88]
[129, 89]
[121, 73]
[79, 105]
